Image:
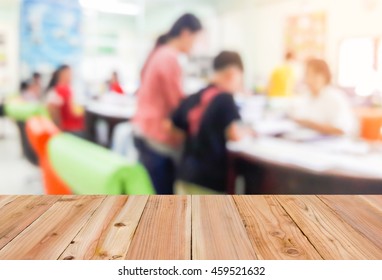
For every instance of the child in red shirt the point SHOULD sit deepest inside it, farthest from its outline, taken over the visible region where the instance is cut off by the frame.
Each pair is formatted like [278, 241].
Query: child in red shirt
[62, 109]
[114, 85]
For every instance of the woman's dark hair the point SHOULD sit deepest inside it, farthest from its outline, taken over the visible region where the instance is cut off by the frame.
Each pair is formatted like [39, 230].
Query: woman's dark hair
[24, 85]
[55, 76]
[226, 59]
[161, 40]
[186, 22]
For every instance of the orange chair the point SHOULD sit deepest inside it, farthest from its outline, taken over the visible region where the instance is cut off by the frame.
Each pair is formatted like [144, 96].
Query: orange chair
[52, 182]
[371, 124]
[39, 131]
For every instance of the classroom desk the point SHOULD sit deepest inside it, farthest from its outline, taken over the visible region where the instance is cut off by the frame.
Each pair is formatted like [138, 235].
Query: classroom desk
[190, 227]
[112, 111]
[275, 166]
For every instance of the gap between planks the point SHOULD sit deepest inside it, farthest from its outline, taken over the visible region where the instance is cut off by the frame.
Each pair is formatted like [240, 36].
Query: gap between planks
[49, 235]
[333, 237]
[164, 231]
[19, 212]
[272, 232]
[218, 231]
[359, 213]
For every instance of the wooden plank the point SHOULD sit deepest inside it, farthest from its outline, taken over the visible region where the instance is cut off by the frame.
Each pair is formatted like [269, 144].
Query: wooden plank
[361, 215]
[18, 213]
[273, 234]
[4, 199]
[164, 232]
[84, 245]
[218, 231]
[116, 239]
[332, 237]
[52, 232]
[373, 200]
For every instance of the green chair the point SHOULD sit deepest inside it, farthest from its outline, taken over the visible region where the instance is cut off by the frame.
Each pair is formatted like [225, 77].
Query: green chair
[90, 169]
[21, 111]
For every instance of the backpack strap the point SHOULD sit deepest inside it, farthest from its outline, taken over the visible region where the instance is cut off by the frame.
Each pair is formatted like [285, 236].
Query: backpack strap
[196, 114]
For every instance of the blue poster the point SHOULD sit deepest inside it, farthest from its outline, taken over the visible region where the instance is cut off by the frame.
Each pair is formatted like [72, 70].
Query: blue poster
[50, 34]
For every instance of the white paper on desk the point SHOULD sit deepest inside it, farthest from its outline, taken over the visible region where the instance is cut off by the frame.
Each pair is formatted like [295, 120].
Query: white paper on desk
[362, 165]
[309, 156]
[343, 145]
[302, 135]
[278, 150]
[274, 127]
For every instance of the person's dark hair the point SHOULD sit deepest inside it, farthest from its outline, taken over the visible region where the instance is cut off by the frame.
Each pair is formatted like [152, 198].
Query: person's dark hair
[24, 85]
[55, 76]
[36, 75]
[226, 59]
[161, 40]
[186, 22]
[320, 67]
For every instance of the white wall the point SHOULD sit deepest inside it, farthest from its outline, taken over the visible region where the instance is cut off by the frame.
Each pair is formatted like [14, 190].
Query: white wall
[258, 29]
[9, 24]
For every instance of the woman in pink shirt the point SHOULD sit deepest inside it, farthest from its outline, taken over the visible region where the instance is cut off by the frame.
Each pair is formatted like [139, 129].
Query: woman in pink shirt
[160, 93]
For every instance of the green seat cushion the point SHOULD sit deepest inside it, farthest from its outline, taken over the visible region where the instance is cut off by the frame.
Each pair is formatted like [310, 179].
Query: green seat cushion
[90, 169]
[21, 111]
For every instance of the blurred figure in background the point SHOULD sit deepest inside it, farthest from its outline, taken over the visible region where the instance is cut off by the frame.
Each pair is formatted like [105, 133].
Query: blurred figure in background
[114, 85]
[325, 108]
[160, 93]
[209, 119]
[29, 91]
[161, 41]
[60, 102]
[283, 79]
[123, 132]
[37, 83]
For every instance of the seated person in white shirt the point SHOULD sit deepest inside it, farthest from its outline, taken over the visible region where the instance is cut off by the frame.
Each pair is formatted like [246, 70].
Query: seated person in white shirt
[325, 108]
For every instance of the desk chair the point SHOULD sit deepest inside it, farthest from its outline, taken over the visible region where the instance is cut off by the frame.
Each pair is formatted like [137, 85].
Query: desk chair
[20, 112]
[39, 131]
[91, 169]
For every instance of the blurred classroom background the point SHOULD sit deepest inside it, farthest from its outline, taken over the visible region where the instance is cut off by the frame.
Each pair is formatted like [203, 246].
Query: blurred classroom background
[106, 44]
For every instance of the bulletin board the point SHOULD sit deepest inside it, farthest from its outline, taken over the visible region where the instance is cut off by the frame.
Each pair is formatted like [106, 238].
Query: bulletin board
[50, 34]
[305, 34]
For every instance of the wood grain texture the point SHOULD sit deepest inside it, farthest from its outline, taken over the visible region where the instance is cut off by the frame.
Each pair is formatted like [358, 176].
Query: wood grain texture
[84, 245]
[373, 200]
[185, 227]
[51, 233]
[273, 234]
[18, 213]
[332, 237]
[4, 200]
[116, 239]
[217, 230]
[361, 215]
[164, 232]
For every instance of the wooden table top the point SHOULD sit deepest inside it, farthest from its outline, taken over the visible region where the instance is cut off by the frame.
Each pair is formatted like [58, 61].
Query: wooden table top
[190, 227]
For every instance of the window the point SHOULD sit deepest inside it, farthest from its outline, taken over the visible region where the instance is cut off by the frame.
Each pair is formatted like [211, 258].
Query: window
[360, 65]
